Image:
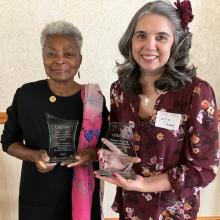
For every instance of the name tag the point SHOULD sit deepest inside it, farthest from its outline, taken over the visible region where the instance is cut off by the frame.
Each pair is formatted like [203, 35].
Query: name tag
[167, 120]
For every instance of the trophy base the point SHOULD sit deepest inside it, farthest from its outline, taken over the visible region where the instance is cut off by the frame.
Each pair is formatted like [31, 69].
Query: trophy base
[125, 174]
[62, 160]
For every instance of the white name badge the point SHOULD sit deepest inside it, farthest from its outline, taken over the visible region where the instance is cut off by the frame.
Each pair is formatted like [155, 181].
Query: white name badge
[167, 120]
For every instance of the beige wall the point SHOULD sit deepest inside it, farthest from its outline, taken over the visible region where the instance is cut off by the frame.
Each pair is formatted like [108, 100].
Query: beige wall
[102, 23]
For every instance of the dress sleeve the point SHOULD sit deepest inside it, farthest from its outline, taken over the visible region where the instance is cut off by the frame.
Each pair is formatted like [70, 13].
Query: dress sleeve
[116, 99]
[201, 145]
[12, 132]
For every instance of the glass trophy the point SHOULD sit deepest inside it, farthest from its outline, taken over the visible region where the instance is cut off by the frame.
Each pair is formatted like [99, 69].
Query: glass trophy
[61, 139]
[118, 161]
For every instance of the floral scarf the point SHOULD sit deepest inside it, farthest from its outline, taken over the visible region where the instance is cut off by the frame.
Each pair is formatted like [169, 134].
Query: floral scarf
[83, 178]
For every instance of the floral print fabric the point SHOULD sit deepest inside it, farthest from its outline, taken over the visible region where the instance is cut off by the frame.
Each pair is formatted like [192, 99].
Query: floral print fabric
[189, 156]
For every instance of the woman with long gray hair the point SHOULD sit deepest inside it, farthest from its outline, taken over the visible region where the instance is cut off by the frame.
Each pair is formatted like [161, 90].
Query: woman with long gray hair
[173, 114]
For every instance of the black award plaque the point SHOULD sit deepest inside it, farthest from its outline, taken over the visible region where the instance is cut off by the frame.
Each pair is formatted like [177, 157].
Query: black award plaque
[61, 139]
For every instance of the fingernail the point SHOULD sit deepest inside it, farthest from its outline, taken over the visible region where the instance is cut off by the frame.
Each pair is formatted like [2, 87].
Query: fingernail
[114, 175]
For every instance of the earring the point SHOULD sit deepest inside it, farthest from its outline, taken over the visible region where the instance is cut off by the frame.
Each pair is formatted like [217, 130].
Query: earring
[78, 74]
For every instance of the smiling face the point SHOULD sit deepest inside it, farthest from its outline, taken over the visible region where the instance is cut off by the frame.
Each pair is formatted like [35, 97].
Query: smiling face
[61, 58]
[152, 42]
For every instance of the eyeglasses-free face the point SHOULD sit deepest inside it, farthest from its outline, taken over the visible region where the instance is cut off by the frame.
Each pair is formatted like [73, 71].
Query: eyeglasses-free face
[152, 42]
[61, 58]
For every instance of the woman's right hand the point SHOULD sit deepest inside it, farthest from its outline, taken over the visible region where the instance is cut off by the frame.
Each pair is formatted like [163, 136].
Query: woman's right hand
[40, 159]
[114, 158]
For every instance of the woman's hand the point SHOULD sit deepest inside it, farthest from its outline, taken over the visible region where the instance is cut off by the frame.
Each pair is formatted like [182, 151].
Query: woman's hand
[84, 157]
[115, 158]
[137, 184]
[40, 159]
[157, 183]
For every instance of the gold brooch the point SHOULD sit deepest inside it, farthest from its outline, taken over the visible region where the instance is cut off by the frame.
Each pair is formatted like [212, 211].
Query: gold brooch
[52, 98]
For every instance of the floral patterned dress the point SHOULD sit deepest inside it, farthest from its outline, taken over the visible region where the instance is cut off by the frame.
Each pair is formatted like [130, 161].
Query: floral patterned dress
[189, 156]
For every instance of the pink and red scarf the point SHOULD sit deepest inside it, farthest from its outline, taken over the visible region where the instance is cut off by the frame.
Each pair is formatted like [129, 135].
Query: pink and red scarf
[83, 179]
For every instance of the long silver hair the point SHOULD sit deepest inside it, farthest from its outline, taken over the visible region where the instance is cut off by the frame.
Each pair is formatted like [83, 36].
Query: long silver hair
[177, 70]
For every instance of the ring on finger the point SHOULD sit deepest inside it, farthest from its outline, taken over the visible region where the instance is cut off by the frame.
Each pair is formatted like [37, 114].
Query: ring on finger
[42, 164]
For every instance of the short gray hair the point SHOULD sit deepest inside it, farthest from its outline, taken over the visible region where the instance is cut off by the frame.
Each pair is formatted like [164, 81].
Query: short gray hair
[61, 28]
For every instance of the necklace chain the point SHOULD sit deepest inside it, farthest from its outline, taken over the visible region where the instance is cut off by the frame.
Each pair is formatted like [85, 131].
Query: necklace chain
[148, 98]
[146, 101]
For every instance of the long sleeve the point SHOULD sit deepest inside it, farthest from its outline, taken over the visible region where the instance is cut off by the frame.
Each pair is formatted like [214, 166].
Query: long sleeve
[12, 132]
[116, 98]
[201, 143]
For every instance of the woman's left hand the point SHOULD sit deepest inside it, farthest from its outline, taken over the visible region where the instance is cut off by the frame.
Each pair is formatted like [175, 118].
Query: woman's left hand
[136, 184]
[84, 157]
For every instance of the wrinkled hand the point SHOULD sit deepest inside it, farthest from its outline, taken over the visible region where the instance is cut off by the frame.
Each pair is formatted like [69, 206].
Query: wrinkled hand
[84, 157]
[115, 158]
[41, 159]
[136, 184]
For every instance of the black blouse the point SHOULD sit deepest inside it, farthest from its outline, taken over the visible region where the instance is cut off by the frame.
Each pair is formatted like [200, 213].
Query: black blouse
[27, 123]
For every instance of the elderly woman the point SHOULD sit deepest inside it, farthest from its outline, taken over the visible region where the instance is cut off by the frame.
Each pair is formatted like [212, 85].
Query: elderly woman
[45, 188]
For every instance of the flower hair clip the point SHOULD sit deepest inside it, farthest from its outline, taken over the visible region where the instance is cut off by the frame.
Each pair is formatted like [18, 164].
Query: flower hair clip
[185, 11]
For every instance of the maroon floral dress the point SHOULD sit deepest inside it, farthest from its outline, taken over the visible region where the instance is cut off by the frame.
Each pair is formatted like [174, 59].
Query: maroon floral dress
[188, 155]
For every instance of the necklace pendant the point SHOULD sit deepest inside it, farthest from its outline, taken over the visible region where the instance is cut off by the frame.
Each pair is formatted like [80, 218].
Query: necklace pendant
[146, 101]
[52, 98]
